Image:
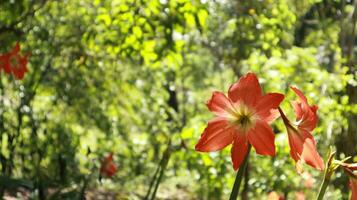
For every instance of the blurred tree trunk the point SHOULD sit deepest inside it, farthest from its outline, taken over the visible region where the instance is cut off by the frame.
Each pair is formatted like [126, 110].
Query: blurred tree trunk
[352, 90]
[347, 142]
[349, 146]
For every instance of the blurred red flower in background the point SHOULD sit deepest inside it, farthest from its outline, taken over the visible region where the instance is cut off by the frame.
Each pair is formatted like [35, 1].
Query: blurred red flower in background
[14, 63]
[300, 196]
[242, 118]
[108, 168]
[302, 143]
[275, 196]
[309, 181]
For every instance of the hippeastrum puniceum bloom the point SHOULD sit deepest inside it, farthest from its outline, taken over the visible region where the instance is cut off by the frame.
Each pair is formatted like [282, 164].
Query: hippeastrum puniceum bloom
[108, 168]
[241, 119]
[302, 143]
[14, 63]
[351, 170]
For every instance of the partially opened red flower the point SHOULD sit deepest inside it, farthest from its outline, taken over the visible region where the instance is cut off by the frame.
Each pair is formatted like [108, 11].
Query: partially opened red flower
[108, 168]
[302, 143]
[241, 119]
[14, 63]
[351, 170]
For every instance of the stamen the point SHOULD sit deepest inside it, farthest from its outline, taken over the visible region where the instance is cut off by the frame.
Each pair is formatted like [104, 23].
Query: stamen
[242, 117]
[243, 120]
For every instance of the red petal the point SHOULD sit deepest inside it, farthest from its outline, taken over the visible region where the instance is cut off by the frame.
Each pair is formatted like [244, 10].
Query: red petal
[295, 143]
[298, 109]
[262, 138]
[353, 186]
[16, 49]
[111, 169]
[303, 148]
[305, 114]
[299, 94]
[239, 150]
[246, 89]
[218, 103]
[314, 108]
[217, 135]
[5, 63]
[311, 156]
[267, 106]
[3, 59]
[20, 70]
[309, 123]
[107, 167]
[350, 166]
[7, 68]
[18, 73]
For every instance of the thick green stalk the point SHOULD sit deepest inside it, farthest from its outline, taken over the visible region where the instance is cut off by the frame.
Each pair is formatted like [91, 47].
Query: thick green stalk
[329, 170]
[323, 187]
[239, 177]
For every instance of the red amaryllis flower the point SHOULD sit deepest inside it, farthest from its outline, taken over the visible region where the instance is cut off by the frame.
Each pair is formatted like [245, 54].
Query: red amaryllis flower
[108, 168]
[351, 170]
[14, 63]
[302, 143]
[241, 119]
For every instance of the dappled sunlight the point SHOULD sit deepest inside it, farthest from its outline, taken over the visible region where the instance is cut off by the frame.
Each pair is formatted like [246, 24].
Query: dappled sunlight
[178, 99]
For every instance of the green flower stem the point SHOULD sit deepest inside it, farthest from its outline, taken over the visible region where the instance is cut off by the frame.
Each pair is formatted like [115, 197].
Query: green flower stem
[329, 170]
[239, 177]
[323, 187]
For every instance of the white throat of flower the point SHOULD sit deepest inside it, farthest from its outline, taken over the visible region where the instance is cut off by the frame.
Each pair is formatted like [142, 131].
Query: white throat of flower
[241, 116]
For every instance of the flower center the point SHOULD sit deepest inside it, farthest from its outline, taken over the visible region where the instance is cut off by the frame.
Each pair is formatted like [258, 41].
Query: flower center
[243, 120]
[242, 117]
[14, 60]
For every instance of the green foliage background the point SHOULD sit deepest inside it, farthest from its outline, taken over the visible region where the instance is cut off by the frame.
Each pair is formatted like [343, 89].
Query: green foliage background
[132, 77]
